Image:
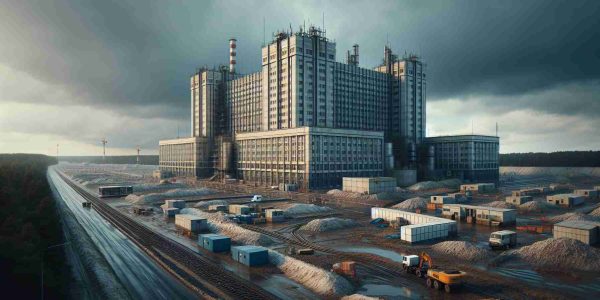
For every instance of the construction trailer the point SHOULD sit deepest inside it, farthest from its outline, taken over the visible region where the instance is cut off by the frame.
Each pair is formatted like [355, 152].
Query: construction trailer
[566, 200]
[191, 223]
[418, 227]
[250, 255]
[169, 212]
[369, 185]
[559, 187]
[460, 197]
[585, 231]
[217, 207]
[175, 204]
[480, 214]
[518, 200]
[238, 209]
[115, 191]
[591, 194]
[215, 242]
[275, 215]
[479, 188]
[527, 192]
[442, 200]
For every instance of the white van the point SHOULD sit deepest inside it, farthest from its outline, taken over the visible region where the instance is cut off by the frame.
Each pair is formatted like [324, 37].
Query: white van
[503, 239]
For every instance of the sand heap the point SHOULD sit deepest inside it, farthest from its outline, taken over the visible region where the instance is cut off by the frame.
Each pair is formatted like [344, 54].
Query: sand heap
[412, 204]
[499, 204]
[561, 253]
[302, 209]
[359, 297]
[328, 224]
[316, 279]
[206, 204]
[218, 223]
[432, 185]
[463, 250]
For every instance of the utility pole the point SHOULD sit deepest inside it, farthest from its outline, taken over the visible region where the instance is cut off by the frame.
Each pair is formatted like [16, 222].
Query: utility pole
[104, 141]
[137, 159]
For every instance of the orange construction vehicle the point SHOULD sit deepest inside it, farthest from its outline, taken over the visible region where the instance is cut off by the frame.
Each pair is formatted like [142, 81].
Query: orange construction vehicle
[437, 277]
[345, 268]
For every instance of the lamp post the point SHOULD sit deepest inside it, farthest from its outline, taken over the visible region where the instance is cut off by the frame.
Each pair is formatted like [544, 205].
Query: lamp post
[42, 275]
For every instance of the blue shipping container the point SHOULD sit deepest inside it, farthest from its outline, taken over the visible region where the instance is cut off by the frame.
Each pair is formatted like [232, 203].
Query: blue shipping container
[250, 255]
[214, 242]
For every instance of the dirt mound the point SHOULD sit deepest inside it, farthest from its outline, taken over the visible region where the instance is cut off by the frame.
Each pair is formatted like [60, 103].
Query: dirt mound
[499, 204]
[595, 212]
[359, 297]
[328, 224]
[573, 216]
[432, 185]
[463, 250]
[532, 206]
[561, 253]
[412, 204]
[301, 209]
[206, 204]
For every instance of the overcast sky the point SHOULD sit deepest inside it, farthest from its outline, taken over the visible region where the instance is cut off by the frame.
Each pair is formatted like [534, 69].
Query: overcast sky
[73, 72]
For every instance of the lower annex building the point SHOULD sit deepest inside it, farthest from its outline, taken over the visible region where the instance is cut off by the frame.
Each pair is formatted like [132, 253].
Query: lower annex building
[309, 120]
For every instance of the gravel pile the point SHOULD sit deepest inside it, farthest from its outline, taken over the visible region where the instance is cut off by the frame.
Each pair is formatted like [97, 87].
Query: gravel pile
[412, 204]
[206, 204]
[328, 224]
[561, 253]
[432, 185]
[535, 205]
[302, 209]
[499, 204]
[463, 250]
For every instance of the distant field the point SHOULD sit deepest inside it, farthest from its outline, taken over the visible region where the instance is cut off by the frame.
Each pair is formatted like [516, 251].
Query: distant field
[552, 159]
[124, 159]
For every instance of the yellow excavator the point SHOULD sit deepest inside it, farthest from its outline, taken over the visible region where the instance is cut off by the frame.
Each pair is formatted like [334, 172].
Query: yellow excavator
[437, 277]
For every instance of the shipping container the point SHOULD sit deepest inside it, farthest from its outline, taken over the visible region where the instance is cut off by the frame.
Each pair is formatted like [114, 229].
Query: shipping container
[250, 255]
[585, 231]
[589, 193]
[518, 200]
[170, 212]
[481, 188]
[215, 242]
[369, 185]
[442, 200]
[191, 223]
[566, 200]
[175, 204]
[114, 191]
[274, 215]
[480, 214]
[217, 207]
[428, 231]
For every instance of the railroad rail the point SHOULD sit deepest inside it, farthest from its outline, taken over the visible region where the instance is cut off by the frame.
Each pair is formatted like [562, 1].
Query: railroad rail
[188, 266]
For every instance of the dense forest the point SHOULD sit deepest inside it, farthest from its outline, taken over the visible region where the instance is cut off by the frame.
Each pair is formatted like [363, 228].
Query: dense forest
[124, 159]
[552, 159]
[29, 224]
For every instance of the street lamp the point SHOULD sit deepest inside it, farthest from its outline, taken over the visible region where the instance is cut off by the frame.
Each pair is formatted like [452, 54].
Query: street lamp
[42, 275]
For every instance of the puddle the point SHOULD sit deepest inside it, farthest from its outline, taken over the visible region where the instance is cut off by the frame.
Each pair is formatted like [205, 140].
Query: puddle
[377, 251]
[386, 290]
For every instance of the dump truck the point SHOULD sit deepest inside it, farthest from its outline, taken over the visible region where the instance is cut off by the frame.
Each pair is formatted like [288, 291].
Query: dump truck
[503, 239]
[437, 277]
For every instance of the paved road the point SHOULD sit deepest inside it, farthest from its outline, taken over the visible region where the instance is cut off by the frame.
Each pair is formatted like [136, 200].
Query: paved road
[140, 276]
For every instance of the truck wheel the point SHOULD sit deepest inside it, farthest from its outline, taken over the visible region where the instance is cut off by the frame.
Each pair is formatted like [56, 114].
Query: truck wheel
[405, 267]
[437, 285]
[447, 288]
[429, 283]
[419, 274]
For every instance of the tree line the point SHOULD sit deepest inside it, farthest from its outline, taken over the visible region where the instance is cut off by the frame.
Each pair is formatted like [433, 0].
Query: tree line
[552, 159]
[29, 224]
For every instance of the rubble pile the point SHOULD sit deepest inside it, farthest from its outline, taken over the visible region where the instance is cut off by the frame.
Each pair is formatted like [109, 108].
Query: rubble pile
[561, 253]
[462, 249]
[328, 224]
[412, 204]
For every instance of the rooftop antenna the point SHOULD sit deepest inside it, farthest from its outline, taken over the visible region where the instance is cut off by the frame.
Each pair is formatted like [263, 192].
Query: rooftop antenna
[137, 159]
[104, 141]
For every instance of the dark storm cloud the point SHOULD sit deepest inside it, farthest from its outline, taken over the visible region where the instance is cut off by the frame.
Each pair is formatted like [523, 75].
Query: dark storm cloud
[137, 55]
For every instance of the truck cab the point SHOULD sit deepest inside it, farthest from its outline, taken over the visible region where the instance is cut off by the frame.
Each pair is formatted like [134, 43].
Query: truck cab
[410, 261]
[257, 198]
[503, 239]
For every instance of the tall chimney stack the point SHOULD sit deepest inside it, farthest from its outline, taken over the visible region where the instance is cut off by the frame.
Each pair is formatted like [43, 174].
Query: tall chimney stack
[232, 62]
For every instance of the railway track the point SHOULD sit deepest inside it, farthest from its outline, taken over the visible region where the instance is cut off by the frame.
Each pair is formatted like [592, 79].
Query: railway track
[193, 269]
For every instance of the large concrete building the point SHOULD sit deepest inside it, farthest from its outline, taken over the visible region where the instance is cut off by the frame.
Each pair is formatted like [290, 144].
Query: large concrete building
[305, 118]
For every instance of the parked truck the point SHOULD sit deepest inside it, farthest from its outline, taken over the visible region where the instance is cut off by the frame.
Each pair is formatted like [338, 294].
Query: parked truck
[503, 239]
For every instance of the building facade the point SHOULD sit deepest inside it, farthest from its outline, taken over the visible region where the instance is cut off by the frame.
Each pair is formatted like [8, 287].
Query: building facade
[472, 158]
[306, 118]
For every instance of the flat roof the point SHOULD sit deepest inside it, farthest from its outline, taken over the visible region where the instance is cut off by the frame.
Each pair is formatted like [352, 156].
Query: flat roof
[565, 195]
[587, 225]
[481, 207]
[189, 217]
[250, 248]
[214, 236]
